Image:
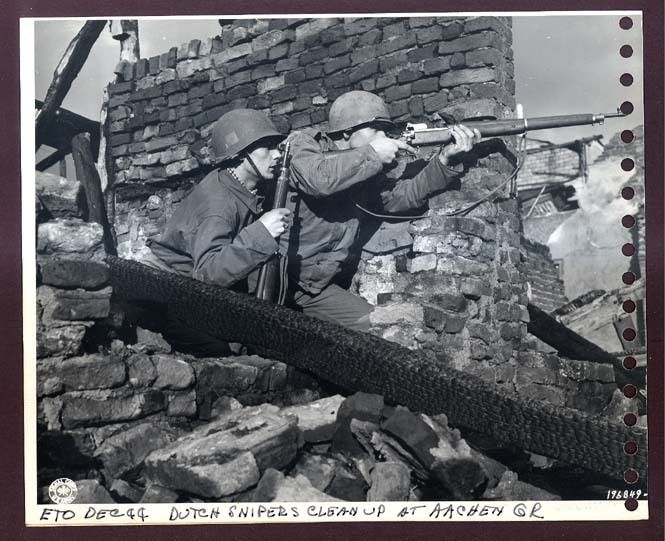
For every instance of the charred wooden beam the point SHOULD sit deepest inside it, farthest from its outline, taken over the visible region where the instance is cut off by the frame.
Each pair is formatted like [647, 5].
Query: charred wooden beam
[52, 159]
[66, 124]
[68, 68]
[568, 343]
[86, 173]
[363, 362]
[126, 31]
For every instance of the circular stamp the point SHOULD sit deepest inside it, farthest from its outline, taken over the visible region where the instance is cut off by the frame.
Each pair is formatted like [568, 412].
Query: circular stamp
[62, 490]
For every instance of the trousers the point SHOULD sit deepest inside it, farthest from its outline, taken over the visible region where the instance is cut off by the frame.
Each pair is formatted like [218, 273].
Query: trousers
[333, 303]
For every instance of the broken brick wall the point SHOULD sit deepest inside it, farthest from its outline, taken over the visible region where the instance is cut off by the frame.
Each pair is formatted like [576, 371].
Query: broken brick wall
[161, 110]
[454, 286]
[542, 275]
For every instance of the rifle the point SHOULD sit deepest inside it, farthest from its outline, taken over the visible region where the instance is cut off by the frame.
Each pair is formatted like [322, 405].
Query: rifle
[421, 135]
[270, 285]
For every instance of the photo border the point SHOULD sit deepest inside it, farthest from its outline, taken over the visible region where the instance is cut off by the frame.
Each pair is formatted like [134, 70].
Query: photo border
[11, 448]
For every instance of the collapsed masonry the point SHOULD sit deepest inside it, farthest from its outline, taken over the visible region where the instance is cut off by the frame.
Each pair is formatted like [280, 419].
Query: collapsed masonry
[114, 401]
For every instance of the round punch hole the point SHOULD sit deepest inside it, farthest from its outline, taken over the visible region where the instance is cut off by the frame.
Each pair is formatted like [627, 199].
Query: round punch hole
[629, 308]
[630, 476]
[627, 136]
[631, 504]
[629, 391]
[626, 79]
[628, 249]
[626, 51]
[628, 221]
[630, 447]
[629, 363]
[626, 23]
[627, 164]
[628, 277]
[627, 193]
[630, 419]
[627, 108]
[629, 334]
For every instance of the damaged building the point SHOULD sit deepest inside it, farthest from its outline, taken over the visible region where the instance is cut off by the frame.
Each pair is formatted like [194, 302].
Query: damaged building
[481, 368]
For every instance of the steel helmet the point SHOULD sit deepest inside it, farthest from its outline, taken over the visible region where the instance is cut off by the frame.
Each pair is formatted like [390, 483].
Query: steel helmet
[238, 129]
[355, 108]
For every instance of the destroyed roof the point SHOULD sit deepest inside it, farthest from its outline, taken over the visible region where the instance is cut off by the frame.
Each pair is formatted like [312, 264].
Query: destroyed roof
[65, 125]
[547, 163]
[616, 148]
[539, 228]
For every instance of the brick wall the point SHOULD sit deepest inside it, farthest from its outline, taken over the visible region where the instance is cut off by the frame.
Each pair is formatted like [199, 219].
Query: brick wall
[161, 110]
[548, 165]
[453, 286]
[547, 290]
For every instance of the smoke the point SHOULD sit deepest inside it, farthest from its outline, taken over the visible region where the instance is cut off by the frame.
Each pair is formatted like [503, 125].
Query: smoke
[602, 190]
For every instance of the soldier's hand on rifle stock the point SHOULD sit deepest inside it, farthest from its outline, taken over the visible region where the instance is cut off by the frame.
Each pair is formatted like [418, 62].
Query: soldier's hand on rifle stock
[463, 140]
[276, 221]
[387, 149]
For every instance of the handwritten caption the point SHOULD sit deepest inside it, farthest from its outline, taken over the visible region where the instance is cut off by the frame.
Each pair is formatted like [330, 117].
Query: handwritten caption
[307, 512]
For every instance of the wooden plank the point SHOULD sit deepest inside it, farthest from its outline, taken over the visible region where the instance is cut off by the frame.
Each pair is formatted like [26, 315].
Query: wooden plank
[126, 31]
[86, 173]
[568, 343]
[64, 125]
[68, 68]
[52, 159]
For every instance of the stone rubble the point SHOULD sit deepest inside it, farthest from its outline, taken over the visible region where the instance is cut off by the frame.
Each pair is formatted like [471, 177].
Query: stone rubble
[296, 453]
[130, 420]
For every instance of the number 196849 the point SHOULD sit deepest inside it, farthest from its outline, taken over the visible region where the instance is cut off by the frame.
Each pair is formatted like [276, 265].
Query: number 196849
[623, 494]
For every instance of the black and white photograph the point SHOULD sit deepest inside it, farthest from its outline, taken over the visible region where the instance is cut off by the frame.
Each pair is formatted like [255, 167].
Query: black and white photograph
[380, 267]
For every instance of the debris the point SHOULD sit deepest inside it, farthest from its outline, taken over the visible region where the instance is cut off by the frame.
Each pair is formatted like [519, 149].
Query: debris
[360, 406]
[275, 487]
[124, 492]
[391, 481]
[152, 342]
[127, 449]
[318, 469]
[91, 491]
[159, 494]
[317, 419]
[512, 489]
[226, 455]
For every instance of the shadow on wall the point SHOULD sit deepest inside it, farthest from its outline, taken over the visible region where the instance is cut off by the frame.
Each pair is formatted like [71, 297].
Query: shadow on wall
[588, 243]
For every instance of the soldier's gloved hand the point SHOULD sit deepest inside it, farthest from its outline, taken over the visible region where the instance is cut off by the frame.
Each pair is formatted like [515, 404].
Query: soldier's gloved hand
[463, 140]
[387, 149]
[276, 221]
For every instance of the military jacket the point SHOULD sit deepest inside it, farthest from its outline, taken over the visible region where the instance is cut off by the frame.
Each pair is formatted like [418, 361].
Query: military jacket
[213, 235]
[327, 183]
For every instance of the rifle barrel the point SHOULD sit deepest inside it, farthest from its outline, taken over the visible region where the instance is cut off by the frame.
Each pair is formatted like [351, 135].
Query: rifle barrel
[510, 126]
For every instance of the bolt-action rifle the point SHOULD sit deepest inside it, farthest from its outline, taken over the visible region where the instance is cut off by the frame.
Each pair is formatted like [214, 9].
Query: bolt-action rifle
[271, 284]
[421, 135]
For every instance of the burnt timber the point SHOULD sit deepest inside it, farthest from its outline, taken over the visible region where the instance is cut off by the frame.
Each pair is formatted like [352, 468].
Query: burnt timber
[363, 362]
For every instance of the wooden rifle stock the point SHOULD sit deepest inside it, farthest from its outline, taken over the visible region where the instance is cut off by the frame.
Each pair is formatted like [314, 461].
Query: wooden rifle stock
[269, 282]
[418, 135]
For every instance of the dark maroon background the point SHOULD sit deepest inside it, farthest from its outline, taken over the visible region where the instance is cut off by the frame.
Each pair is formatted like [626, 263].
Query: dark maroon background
[11, 395]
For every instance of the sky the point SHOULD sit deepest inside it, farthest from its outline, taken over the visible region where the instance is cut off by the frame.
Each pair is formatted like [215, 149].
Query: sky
[563, 65]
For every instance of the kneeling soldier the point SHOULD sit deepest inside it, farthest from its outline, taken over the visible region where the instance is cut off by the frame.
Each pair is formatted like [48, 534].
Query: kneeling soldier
[217, 234]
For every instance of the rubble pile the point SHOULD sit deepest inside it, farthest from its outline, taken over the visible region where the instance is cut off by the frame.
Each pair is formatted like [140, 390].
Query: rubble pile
[331, 449]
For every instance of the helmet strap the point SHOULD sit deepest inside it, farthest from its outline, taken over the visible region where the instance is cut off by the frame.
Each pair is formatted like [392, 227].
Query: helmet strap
[256, 169]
